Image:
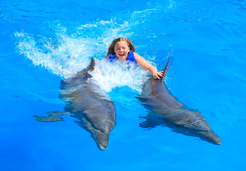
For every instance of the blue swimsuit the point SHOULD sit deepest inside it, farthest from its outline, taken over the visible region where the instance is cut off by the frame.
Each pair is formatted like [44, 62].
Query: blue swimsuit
[130, 58]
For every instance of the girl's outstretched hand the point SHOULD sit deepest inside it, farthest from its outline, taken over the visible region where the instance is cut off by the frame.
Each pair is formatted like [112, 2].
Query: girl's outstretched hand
[95, 70]
[157, 75]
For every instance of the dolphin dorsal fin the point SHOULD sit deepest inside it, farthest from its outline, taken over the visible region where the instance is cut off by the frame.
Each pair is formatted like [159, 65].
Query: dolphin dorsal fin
[165, 70]
[90, 67]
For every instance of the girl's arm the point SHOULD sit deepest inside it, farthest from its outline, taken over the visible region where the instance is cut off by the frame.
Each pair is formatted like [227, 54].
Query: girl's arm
[146, 65]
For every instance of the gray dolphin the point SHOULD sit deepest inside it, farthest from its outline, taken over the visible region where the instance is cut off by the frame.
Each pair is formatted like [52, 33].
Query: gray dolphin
[88, 103]
[167, 111]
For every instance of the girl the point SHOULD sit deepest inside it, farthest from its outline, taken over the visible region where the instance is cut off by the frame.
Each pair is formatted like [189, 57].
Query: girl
[122, 49]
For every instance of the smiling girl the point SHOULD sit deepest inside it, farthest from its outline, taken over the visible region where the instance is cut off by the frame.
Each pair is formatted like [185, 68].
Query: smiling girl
[122, 49]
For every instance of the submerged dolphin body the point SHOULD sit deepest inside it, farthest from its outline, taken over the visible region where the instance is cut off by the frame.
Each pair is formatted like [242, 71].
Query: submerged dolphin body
[86, 101]
[167, 111]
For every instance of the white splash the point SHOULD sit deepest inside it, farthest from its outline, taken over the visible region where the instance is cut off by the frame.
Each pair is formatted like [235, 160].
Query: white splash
[63, 58]
[64, 54]
[111, 75]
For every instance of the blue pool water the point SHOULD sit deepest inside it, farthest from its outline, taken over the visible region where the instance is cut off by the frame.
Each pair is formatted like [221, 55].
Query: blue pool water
[45, 41]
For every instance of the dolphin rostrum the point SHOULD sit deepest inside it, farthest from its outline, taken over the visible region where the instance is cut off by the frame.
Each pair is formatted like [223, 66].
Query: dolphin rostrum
[88, 103]
[167, 111]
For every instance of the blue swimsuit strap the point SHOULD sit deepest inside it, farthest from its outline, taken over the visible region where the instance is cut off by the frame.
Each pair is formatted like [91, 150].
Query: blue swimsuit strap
[130, 58]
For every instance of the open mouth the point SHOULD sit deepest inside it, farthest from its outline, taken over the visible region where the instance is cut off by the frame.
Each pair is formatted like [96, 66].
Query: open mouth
[122, 55]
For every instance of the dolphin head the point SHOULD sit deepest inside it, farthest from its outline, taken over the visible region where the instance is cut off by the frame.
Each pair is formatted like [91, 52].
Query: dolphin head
[100, 137]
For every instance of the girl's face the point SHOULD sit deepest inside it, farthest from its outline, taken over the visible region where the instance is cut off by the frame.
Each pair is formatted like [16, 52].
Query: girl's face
[122, 50]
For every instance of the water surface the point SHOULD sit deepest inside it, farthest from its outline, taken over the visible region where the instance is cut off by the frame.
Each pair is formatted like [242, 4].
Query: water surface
[43, 42]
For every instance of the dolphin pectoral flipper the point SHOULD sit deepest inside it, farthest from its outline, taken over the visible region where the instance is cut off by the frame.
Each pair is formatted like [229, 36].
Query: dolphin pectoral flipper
[52, 116]
[150, 121]
[60, 113]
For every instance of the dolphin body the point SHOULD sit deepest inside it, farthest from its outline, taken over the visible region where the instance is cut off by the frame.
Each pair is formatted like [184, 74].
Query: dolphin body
[86, 101]
[166, 110]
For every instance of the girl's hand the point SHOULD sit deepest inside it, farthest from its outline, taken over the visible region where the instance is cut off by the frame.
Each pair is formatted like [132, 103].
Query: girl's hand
[157, 75]
[95, 70]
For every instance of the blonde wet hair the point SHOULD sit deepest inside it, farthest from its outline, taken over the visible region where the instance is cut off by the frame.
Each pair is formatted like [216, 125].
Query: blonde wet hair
[120, 39]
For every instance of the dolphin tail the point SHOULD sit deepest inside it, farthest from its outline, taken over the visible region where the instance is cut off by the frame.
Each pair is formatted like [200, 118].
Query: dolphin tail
[165, 70]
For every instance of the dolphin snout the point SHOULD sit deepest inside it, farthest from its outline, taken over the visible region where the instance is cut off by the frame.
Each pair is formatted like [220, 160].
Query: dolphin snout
[102, 147]
[213, 138]
[102, 140]
[217, 140]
